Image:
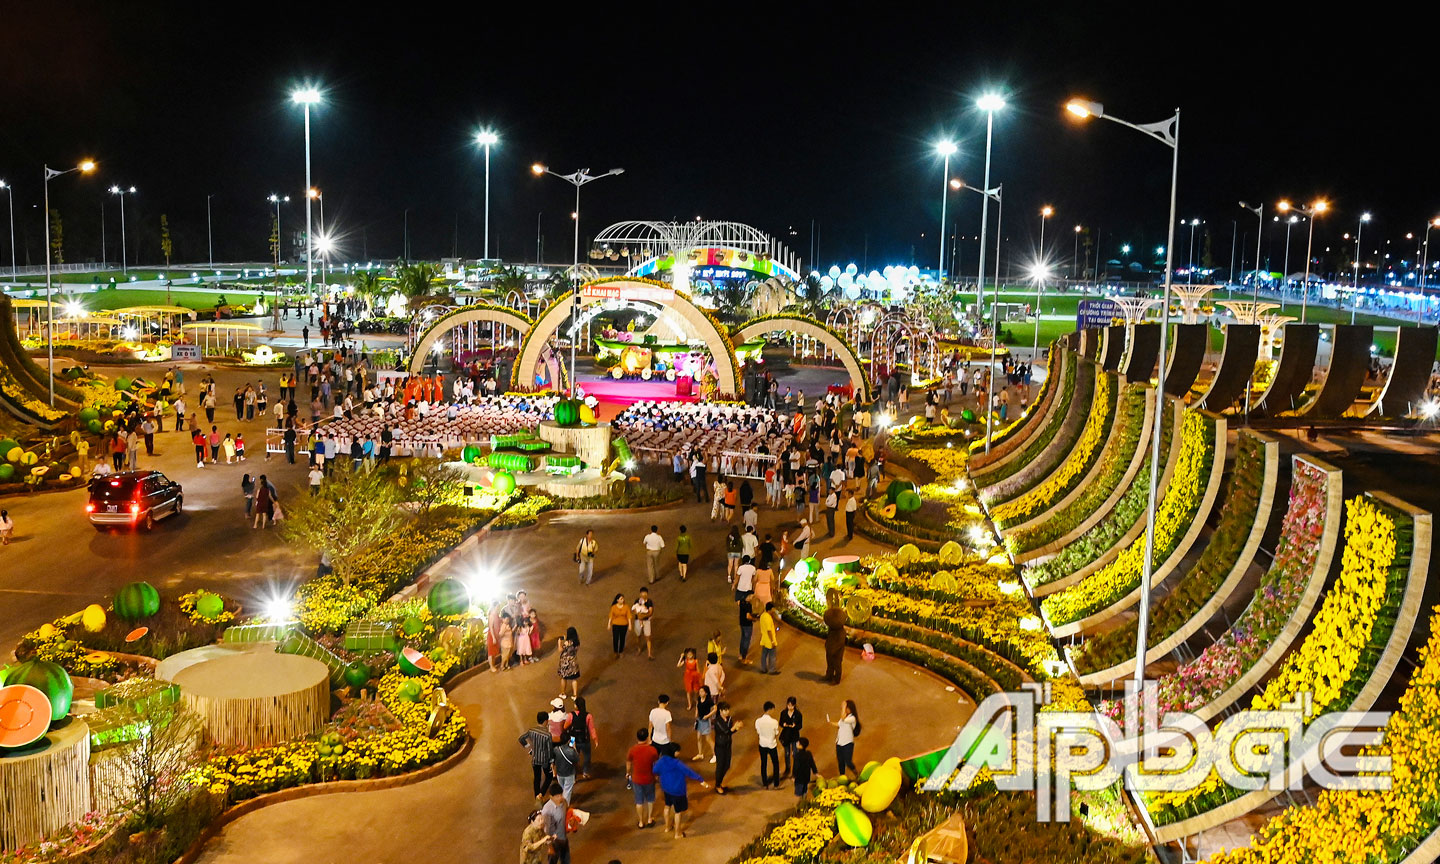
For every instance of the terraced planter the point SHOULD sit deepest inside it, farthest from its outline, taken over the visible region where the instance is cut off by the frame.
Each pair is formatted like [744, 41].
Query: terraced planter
[1054, 460]
[1035, 444]
[1006, 441]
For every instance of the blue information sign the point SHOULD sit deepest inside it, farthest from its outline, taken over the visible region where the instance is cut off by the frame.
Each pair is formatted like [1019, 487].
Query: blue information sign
[1096, 313]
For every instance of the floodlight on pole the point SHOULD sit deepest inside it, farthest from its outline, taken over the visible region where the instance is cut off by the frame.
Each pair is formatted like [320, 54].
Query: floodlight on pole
[487, 138]
[1310, 213]
[10, 190]
[989, 103]
[577, 179]
[305, 97]
[946, 149]
[1424, 254]
[84, 167]
[1039, 272]
[1167, 132]
[1355, 288]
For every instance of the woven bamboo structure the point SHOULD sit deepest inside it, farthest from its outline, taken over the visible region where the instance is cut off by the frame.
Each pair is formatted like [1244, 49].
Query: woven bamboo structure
[42, 791]
[254, 699]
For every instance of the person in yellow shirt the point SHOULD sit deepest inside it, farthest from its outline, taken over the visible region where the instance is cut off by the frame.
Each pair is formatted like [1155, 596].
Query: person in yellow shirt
[769, 642]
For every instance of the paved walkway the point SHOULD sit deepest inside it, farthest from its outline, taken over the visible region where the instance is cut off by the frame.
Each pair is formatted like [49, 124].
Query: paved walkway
[476, 811]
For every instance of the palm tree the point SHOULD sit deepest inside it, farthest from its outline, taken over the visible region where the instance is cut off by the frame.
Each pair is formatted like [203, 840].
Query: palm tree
[812, 293]
[732, 300]
[418, 281]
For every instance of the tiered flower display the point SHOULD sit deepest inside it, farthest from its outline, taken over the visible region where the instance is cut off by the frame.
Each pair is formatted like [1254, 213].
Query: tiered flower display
[1348, 634]
[1038, 442]
[1104, 536]
[1177, 512]
[1020, 423]
[1237, 518]
[1077, 463]
[1231, 656]
[1113, 463]
[1372, 826]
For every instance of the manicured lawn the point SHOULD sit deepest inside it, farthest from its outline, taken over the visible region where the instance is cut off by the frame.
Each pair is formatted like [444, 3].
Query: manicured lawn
[101, 277]
[199, 300]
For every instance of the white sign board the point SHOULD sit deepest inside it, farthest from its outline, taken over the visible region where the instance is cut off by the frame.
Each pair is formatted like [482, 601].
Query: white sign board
[628, 291]
[184, 352]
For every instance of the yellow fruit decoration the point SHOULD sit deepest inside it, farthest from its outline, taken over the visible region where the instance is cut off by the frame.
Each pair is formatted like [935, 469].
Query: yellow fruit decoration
[855, 827]
[880, 790]
[93, 618]
[587, 415]
[46, 631]
[15, 454]
[951, 553]
[908, 553]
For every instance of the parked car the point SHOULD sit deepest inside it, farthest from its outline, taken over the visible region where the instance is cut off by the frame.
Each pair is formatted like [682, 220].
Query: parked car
[134, 498]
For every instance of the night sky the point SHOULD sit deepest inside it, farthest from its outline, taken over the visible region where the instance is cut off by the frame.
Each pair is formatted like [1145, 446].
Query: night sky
[776, 115]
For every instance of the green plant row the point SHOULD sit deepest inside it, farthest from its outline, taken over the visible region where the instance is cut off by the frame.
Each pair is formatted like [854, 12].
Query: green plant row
[1103, 537]
[1129, 426]
[1237, 519]
[1034, 409]
[1067, 435]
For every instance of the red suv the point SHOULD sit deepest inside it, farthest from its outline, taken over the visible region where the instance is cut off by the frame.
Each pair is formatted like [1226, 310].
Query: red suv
[134, 498]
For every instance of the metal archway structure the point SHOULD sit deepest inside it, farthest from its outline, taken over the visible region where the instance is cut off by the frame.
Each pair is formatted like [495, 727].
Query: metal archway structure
[460, 317]
[649, 247]
[801, 325]
[722, 350]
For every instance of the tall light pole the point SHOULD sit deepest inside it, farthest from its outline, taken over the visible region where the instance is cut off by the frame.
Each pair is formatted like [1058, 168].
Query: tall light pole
[1045, 213]
[210, 230]
[306, 97]
[1424, 254]
[997, 195]
[1166, 132]
[1075, 255]
[1289, 223]
[1259, 212]
[1190, 268]
[577, 179]
[485, 138]
[122, 192]
[84, 168]
[1309, 213]
[946, 149]
[279, 242]
[313, 194]
[1355, 289]
[989, 103]
[13, 272]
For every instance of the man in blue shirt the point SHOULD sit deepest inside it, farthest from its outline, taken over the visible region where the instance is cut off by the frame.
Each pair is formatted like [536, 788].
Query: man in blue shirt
[673, 774]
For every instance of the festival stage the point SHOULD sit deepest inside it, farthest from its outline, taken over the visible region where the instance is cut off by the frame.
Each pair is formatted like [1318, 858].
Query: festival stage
[627, 392]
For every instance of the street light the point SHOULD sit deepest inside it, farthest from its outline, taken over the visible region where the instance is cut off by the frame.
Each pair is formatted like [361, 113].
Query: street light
[84, 168]
[1190, 269]
[122, 192]
[305, 97]
[1045, 213]
[946, 149]
[210, 230]
[485, 138]
[1166, 132]
[1259, 212]
[996, 195]
[1355, 288]
[314, 194]
[11, 190]
[577, 179]
[1075, 256]
[989, 103]
[1424, 255]
[1309, 213]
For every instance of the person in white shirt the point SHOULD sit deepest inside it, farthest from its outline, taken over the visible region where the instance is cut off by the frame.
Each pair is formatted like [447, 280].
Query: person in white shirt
[653, 544]
[316, 476]
[749, 542]
[837, 478]
[767, 733]
[660, 719]
[752, 517]
[744, 578]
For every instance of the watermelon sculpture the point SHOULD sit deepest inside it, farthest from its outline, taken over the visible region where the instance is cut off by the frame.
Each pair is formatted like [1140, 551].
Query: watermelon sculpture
[892, 492]
[49, 679]
[209, 605]
[137, 600]
[449, 597]
[567, 412]
[470, 454]
[357, 673]
[414, 663]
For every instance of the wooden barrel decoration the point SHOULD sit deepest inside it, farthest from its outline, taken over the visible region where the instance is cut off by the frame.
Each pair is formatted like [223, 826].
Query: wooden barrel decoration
[46, 787]
[254, 699]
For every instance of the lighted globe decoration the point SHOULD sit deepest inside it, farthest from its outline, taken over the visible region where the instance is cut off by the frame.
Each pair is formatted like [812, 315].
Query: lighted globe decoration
[449, 597]
[853, 292]
[851, 270]
[136, 601]
[504, 483]
[49, 678]
[827, 284]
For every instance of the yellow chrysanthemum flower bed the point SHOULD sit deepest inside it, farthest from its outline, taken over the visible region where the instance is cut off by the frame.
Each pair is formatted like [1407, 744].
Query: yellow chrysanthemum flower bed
[1370, 826]
[1348, 633]
[1177, 512]
[1060, 482]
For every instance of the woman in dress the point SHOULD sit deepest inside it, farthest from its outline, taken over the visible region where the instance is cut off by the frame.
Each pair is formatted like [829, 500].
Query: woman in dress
[507, 640]
[522, 640]
[534, 842]
[704, 724]
[569, 647]
[264, 504]
[691, 677]
[733, 549]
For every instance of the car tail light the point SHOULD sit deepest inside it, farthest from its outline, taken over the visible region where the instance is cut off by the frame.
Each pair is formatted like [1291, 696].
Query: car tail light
[89, 506]
[134, 508]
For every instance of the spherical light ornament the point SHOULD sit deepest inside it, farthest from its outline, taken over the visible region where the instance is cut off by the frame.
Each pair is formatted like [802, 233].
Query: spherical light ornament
[851, 269]
[845, 281]
[834, 271]
[853, 292]
[827, 284]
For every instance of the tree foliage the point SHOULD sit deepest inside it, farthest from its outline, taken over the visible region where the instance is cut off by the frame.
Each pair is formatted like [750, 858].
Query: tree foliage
[150, 771]
[354, 510]
[166, 246]
[431, 482]
[57, 237]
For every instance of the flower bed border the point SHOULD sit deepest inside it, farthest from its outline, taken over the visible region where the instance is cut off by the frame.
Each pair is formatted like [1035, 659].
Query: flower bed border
[1269, 481]
[1052, 457]
[1410, 608]
[1167, 473]
[310, 790]
[1002, 449]
[1182, 547]
[1142, 447]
